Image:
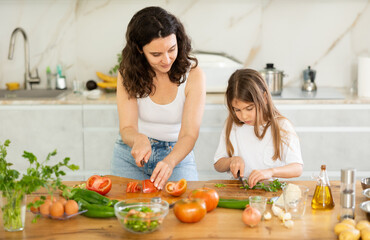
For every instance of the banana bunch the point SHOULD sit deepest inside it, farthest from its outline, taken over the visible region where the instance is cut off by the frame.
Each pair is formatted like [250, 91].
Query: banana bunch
[108, 81]
[106, 78]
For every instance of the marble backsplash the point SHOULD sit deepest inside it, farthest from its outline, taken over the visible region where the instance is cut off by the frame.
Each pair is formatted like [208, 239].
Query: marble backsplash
[84, 36]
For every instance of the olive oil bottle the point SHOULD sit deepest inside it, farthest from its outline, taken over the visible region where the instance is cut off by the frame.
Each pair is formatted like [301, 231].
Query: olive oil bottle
[322, 198]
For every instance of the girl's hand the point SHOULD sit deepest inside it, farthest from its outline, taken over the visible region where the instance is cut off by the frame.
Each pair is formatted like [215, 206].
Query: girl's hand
[258, 175]
[161, 173]
[141, 149]
[237, 164]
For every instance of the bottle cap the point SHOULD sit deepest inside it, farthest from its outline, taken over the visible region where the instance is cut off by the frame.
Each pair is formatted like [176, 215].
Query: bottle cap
[348, 176]
[347, 200]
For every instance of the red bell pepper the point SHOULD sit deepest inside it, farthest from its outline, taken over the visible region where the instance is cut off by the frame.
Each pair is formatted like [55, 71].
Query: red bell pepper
[99, 184]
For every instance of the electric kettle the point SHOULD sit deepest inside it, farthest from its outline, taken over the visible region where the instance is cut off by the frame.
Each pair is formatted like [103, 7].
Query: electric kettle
[309, 80]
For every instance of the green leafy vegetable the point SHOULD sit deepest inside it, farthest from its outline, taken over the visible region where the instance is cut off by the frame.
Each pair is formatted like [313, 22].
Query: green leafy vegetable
[219, 185]
[114, 69]
[273, 186]
[38, 175]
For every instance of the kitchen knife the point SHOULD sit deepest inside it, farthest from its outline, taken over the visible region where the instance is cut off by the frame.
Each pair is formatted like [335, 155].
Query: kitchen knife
[142, 162]
[240, 178]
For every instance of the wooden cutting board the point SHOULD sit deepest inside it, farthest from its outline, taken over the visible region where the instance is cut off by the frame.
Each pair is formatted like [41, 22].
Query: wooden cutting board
[231, 190]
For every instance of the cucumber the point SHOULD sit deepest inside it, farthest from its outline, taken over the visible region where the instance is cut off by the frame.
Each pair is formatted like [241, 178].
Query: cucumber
[232, 203]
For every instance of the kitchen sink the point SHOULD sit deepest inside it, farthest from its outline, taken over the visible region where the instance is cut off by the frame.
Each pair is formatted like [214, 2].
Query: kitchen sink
[32, 94]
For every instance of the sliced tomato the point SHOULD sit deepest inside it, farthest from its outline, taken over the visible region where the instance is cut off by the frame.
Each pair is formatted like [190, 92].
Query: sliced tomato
[148, 186]
[99, 184]
[133, 187]
[176, 188]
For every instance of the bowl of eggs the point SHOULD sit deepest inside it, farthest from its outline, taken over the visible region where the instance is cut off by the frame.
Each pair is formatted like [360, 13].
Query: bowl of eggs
[55, 208]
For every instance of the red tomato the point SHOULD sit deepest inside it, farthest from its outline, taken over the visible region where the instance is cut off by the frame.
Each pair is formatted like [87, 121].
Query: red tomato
[148, 186]
[176, 189]
[209, 195]
[133, 187]
[99, 184]
[190, 210]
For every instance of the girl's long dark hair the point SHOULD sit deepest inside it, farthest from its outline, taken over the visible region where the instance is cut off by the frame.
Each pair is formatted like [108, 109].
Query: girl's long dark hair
[148, 24]
[247, 85]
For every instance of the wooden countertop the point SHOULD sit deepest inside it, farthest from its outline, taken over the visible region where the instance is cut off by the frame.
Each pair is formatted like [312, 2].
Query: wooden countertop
[218, 224]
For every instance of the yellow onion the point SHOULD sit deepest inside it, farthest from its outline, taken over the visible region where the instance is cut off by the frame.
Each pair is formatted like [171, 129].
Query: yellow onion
[251, 216]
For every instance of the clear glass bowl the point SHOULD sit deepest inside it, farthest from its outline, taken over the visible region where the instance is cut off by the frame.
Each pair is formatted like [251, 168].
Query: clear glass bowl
[365, 183]
[141, 215]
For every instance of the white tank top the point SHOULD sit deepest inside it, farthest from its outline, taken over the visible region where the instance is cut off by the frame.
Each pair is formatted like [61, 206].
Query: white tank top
[161, 122]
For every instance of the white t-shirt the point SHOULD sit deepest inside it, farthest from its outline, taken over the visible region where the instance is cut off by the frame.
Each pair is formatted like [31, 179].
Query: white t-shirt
[162, 122]
[257, 154]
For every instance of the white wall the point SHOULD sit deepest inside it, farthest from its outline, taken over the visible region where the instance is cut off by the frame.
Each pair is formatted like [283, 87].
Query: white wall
[85, 36]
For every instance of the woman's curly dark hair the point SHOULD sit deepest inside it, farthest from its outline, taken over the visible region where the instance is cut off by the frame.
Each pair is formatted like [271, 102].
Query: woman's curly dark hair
[148, 24]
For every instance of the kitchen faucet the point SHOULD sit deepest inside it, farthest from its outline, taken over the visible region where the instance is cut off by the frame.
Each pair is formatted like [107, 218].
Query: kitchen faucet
[28, 78]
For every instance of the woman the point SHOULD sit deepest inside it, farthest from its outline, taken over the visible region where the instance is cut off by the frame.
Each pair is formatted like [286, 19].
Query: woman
[160, 101]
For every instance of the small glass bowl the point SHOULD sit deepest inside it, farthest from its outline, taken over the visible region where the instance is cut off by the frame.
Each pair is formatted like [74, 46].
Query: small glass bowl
[366, 192]
[141, 215]
[64, 217]
[365, 206]
[365, 183]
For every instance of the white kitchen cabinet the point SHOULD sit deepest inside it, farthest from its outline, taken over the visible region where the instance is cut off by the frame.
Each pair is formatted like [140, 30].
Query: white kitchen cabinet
[100, 132]
[337, 135]
[40, 129]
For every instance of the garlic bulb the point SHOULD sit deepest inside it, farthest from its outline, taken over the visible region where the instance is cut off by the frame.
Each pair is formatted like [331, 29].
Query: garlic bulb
[267, 216]
[276, 210]
[288, 224]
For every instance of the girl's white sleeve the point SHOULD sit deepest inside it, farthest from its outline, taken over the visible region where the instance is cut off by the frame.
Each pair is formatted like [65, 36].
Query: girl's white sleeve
[292, 152]
[221, 149]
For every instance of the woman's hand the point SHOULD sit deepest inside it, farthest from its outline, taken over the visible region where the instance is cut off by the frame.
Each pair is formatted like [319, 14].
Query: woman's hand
[162, 173]
[141, 149]
[237, 164]
[258, 175]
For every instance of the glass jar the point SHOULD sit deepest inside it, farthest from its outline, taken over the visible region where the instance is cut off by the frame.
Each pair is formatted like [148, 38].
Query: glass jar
[13, 207]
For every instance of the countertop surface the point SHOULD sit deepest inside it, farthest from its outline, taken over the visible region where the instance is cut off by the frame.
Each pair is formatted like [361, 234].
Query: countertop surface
[290, 96]
[220, 223]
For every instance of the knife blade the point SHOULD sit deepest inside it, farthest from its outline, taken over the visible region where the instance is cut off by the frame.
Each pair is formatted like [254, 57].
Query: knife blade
[142, 162]
[240, 178]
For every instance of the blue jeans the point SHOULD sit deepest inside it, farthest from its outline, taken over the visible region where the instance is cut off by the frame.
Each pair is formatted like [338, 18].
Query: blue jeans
[123, 164]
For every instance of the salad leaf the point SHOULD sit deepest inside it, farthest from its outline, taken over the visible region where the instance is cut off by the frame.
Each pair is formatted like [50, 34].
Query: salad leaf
[273, 186]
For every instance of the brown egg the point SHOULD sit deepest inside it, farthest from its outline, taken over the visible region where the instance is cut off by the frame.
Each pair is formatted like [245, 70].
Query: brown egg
[62, 201]
[57, 210]
[45, 208]
[33, 209]
[71, 207]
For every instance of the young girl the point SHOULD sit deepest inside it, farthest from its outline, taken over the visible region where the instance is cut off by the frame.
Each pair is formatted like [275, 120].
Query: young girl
[257, 141]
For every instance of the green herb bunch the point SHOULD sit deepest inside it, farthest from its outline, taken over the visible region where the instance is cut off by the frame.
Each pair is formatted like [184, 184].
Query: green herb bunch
[114, 69]
[14, 186]
[220, 185]
[273, 186]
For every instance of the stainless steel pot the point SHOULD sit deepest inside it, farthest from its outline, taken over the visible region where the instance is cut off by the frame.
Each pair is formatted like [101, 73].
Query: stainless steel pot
[273, 78]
